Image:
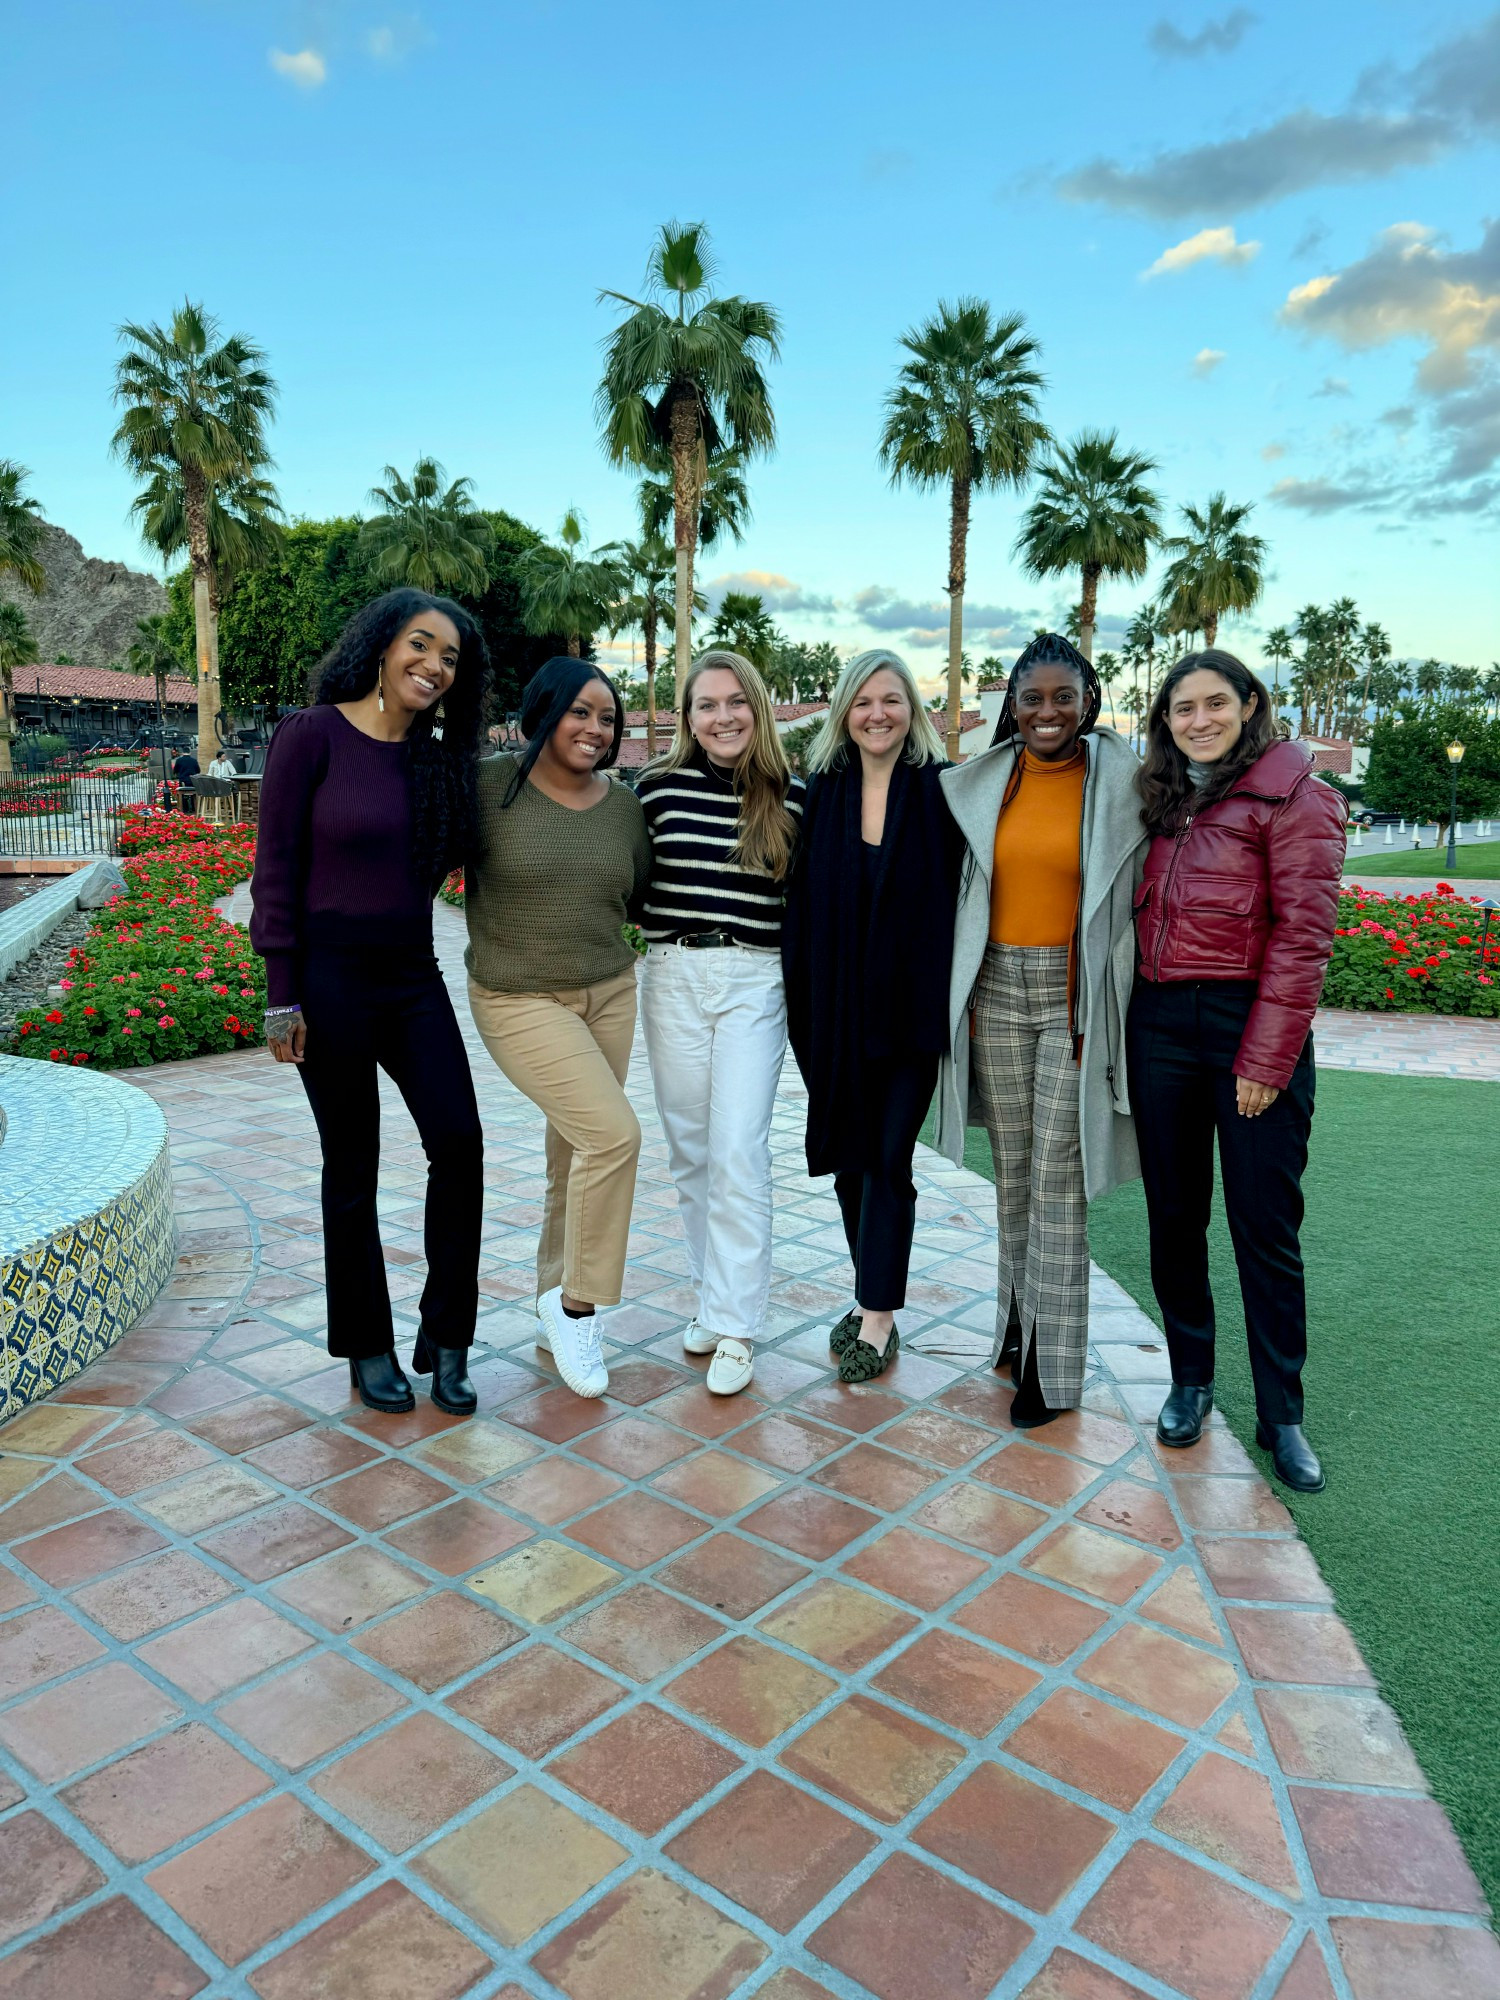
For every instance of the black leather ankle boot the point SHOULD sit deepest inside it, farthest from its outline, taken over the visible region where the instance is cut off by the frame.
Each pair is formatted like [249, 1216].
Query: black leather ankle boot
[1293, 1459]
[1185, 1412]
[1028, 1408]
[449, 1368]
[380, 1383]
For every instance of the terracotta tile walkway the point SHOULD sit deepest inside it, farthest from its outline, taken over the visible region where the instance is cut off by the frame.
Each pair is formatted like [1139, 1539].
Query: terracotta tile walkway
[819, 1692]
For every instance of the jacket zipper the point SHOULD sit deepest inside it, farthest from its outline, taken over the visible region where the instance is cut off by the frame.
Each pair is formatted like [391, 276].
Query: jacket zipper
[1161, 934]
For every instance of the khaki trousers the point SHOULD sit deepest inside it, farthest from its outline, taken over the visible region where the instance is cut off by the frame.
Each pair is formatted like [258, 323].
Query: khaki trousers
[568, 1052]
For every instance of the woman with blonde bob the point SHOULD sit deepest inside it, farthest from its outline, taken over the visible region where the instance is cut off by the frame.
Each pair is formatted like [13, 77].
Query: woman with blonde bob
[723, 811]
[867, 949]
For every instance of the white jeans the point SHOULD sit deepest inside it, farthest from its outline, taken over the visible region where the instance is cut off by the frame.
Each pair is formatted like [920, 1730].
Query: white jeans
[715, 1026]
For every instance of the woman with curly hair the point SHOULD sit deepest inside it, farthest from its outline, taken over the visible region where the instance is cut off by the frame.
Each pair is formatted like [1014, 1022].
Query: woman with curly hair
[560, 859]
[367, 803]
[1043, 962]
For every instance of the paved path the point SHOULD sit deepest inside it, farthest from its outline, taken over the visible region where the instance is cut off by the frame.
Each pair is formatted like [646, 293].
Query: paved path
[818, 1692]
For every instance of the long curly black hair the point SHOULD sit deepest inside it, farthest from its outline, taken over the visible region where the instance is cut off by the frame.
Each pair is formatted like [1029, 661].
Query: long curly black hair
[445, 811]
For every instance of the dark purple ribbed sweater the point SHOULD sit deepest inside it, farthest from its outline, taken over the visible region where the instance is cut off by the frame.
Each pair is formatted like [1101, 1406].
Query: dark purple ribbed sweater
[333, 852]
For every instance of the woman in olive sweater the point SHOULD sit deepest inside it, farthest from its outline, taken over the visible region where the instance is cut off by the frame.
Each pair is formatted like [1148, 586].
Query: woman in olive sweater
[562, 856]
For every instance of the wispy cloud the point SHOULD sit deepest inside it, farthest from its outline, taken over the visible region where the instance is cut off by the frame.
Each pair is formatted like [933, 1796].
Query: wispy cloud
[1215, 38]
[306, 68]
[1206, 360]
[1395, 118]
[394, 39]
[1333, 385]
[1217, 246]
[778, 593]
[992, 626]
[1271, 452]
[1326, 496]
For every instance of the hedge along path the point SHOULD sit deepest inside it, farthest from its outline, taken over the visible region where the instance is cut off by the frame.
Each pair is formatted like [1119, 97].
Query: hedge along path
[163, 974]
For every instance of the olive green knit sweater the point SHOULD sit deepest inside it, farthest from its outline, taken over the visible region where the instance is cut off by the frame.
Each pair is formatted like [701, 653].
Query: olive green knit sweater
[551, 888]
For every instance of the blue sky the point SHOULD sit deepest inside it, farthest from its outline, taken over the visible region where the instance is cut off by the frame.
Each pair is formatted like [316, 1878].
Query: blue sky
[412, 211]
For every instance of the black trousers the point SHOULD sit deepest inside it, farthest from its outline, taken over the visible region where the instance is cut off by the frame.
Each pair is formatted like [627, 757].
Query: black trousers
[1181, 1044]
[365, 1014]
[879, 1205]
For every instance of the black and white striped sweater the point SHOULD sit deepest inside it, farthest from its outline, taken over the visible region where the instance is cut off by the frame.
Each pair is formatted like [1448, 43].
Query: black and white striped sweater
[692, 816]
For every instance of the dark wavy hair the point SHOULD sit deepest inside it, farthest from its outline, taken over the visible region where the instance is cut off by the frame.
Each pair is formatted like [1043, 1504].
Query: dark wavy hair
[550, 693]
[1167, 792]
[445, 811]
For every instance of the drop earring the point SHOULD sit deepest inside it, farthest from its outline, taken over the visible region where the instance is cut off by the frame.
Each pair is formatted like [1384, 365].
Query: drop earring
[437, 724]
[380, 687]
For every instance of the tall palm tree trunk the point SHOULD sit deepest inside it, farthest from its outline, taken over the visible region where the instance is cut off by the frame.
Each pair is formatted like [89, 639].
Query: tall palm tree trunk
[1088, 610]
[205, 638]
[648, 626]
[7, 710]
[685, 496]
[958, 553]
[575, 646]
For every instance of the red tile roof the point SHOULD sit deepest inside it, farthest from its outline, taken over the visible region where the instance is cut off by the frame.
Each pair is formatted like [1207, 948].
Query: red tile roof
[108, 684]
[1331, 753]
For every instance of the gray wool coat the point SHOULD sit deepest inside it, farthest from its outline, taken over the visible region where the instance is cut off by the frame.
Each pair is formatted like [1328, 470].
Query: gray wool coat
[1114, 852]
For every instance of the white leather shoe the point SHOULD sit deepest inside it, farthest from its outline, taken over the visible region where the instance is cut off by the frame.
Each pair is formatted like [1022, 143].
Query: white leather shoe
[573, 1345]
[696, 1341]
[731, 1369]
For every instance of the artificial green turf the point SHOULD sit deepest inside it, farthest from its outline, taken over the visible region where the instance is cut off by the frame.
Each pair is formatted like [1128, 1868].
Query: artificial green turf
[1403, 1402]
[1480, 863]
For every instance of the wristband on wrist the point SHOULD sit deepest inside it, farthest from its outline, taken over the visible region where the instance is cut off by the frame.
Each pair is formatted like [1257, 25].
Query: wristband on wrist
[280, 1013]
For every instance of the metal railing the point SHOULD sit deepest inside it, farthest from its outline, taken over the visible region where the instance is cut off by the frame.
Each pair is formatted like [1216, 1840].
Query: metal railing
[66, 813]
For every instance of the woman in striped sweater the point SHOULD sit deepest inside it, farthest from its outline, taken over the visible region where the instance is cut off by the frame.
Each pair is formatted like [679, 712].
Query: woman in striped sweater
[722, 810]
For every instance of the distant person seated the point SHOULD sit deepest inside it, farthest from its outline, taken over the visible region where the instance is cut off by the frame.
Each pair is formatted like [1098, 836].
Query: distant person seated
[223, 766]
[184, 769]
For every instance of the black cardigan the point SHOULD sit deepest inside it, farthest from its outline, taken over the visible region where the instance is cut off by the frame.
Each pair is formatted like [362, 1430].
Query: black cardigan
[886, 992]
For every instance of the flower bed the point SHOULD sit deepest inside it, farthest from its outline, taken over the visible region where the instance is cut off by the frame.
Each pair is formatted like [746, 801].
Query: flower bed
[21, 802]
[1421, 954]
[452, 890]
[162, 974]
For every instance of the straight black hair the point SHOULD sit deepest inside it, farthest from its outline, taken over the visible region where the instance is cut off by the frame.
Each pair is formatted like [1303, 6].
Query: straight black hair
[550, 693]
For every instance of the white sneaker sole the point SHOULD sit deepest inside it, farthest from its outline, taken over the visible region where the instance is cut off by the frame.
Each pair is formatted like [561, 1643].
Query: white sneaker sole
[581, 1385]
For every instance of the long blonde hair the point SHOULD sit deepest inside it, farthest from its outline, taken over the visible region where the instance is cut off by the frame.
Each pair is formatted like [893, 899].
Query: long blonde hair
[923, 745]
[762, 778]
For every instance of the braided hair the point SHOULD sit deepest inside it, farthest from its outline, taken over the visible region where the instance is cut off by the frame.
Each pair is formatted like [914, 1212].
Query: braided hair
[1048, 649]
[445, 808]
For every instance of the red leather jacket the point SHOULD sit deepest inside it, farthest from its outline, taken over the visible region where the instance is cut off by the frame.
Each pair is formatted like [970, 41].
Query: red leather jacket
[1248, 890]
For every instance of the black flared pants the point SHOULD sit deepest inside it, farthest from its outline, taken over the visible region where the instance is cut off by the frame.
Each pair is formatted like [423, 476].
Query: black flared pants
[363, 1016]
[1182, 1043]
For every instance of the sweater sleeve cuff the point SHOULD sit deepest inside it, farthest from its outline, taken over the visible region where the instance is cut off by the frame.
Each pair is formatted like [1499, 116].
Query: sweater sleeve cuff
[281, 978]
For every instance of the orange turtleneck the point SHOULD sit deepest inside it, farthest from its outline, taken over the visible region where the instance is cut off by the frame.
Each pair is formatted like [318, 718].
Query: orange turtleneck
[1034, 889]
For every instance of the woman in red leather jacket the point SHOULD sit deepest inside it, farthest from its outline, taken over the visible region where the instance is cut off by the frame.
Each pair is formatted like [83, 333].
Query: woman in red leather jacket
[1234, 928]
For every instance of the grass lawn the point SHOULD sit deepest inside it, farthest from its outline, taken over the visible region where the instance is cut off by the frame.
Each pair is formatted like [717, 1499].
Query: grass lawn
[1481, 862]
[1403, 1402]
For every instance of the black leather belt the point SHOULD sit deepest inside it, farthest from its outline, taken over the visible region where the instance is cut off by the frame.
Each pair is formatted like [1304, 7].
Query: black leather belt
[705, 941]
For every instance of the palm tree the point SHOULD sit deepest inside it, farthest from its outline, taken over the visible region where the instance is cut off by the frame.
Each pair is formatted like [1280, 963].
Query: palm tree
[17, 649]
[723, 499]
[1492, 687]
[963, 415]
[1095, 514]
[1278, 649]
[1141, 635]
[684, 372]
[20, 543]
[1216, 567]
[21, 529]
[1430, 679]
[199, 405]
[152, 652]
[429, 535]
[1376, 647]
[743, 624]
[563, 590]
[244, 524]
[649, 567]
[1107, 667]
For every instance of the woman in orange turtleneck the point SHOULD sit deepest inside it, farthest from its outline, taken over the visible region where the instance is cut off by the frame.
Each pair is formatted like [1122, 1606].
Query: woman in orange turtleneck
[1042, 974]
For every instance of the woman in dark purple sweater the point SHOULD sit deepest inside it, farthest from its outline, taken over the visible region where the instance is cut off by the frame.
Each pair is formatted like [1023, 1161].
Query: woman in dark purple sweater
[367, 802]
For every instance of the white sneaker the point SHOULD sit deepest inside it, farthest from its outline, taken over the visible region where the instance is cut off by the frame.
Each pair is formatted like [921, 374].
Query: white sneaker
[696, 1341]
[573, 1345]
[731, 1368]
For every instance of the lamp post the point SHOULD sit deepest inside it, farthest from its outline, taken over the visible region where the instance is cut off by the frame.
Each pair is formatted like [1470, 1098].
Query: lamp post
[1455, 758]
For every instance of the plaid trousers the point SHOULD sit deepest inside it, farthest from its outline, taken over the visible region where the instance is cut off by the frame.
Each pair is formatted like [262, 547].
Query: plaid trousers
[1027, 1083]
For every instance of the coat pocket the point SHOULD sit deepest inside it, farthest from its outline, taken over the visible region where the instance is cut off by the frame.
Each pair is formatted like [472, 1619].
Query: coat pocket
[1218, 923]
